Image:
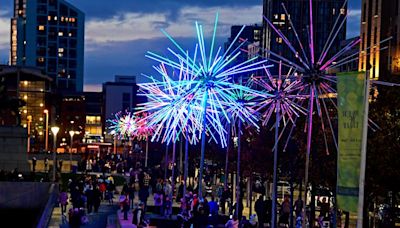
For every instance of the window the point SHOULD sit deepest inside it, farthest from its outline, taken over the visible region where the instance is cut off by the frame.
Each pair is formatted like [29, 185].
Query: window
[276, 16]
[283, 16]
[41, 27]
[61, 50]
[60, 34]
[342, 11]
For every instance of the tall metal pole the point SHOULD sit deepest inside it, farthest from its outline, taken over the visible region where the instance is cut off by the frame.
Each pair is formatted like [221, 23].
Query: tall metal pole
[238, 170]
[203, 144]
[29, 133]
[227, 157]
[274, 184]
[46, 146]
[360, 211]
[166, 163]
[173, 167]
[180, 159]
[185, 173]
[70, 151]
[309, 131]
[147, 151]
[115, 144]
[54, 156]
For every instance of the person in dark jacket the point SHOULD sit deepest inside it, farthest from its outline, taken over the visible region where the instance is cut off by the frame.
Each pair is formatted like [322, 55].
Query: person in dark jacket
[261, 210]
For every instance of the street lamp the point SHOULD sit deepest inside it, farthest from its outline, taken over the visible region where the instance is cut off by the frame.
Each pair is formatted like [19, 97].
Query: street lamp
[71, 133]
[54, 130]
[29, 132]
[46, 144]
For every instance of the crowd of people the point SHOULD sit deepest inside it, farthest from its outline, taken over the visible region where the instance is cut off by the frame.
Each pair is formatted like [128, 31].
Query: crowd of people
[85, 195]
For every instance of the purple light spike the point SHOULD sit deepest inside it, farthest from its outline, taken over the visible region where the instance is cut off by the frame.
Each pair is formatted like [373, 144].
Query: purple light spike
[311, 33]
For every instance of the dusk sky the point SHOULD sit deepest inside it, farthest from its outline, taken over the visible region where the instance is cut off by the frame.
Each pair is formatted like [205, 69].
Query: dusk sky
[118, 33]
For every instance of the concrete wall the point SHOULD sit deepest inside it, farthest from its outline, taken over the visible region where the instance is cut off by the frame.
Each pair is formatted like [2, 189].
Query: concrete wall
[13, 148]
[23, 195]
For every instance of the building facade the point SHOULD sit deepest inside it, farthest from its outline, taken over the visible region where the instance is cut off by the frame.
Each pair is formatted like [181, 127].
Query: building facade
[94, 117]
[325, 13]
[34, 88]
[119, 95]
[379, 21]
[49, 34]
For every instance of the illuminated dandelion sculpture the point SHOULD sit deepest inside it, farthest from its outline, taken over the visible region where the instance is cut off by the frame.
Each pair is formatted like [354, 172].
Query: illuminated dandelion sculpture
[315, 71]
[123, 125]
[144, 131]
[210, 83]
[169, 106]
[283, 99]
[243, 113]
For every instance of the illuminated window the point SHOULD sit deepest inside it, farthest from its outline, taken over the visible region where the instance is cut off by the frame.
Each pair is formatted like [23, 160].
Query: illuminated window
[25, 83]
[60, 54]
[41, 28]
[60, 34]
[40, 59]
[283, 17]
[342, 11]
[70, 34]
[55, 18]
[61, 50]
[333, 11]
[276, 16]
[49, 18]
[41, 105]
[62, 19]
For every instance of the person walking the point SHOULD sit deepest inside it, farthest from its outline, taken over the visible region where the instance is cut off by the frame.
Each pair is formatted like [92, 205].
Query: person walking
[138, 216]
[261, 210]
[285, 211]
[63, 199]
[34, 164]
[46, 163]
[233, 222]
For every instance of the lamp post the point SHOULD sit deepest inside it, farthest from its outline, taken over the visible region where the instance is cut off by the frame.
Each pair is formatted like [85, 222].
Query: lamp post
[71, 133]
[54, 130]
[29, 132]
[46, 144]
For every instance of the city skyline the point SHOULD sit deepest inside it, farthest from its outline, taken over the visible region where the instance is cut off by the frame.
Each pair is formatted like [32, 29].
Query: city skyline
[132, 41]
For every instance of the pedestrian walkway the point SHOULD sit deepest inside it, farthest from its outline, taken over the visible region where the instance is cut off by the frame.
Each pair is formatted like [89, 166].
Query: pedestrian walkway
[104, 218]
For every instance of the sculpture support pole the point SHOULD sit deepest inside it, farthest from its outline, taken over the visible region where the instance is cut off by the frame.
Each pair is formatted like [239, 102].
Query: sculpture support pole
[203, 144]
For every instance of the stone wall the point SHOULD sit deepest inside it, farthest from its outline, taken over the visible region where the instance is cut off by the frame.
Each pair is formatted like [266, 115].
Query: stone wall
[13, 148]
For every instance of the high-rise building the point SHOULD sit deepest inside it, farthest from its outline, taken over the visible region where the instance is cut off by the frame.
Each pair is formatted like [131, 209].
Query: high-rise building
[325, 13]
[49, 34]
[251, 34]
[379, 21]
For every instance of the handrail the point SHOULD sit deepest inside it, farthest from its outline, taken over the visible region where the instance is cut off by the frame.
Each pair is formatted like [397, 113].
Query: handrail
[48, 209]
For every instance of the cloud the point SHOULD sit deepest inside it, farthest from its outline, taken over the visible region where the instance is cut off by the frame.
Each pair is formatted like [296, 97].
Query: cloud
[353, 23]
[130, 26]
[4, 29]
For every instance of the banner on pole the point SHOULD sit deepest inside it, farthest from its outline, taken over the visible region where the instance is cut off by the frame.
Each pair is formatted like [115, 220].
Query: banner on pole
[350, 99]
